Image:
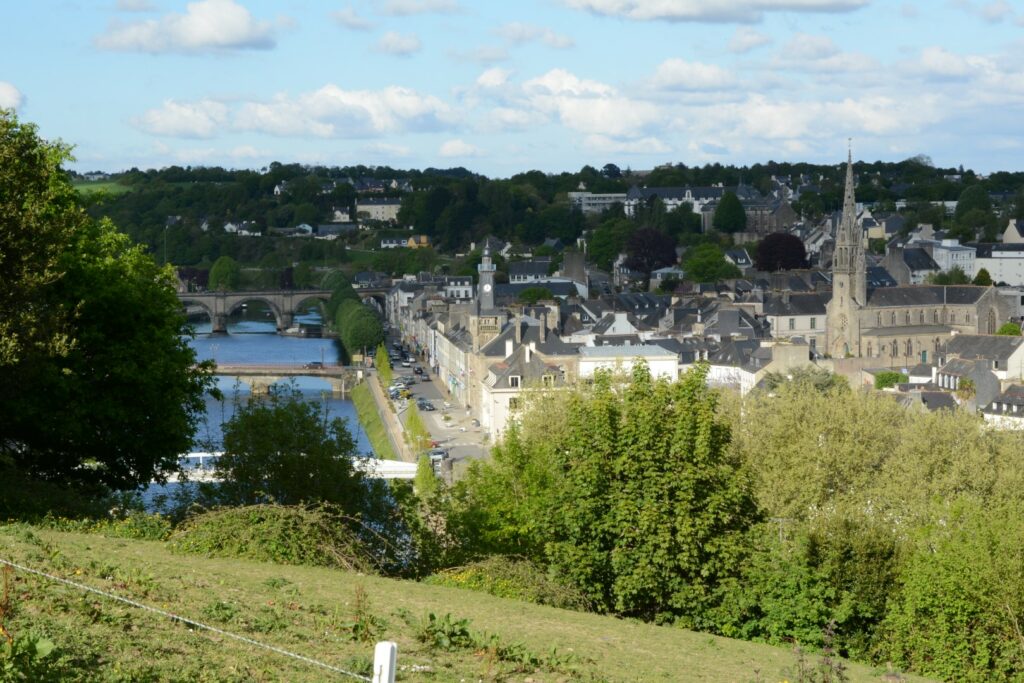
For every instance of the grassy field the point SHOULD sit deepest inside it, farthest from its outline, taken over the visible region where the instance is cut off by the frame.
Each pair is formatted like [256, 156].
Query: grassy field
[376, 432]
[111, 187]
[312, 611]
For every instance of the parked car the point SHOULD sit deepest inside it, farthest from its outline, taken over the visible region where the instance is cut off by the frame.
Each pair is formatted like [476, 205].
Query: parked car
[418, 370]
[314, 365]
[425, 405]
[437, 454]
[406, 363]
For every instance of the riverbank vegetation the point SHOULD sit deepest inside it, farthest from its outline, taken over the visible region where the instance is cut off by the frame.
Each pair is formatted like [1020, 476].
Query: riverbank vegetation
[373, 425]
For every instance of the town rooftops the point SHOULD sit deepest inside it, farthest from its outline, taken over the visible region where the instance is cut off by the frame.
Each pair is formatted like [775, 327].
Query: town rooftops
[925, 295]
[982, 346]
[625, 351]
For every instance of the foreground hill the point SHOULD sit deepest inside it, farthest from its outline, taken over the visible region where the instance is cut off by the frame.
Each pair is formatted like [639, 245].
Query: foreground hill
[323, 614]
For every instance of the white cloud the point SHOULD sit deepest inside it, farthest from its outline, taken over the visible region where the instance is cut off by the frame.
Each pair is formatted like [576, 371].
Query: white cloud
[502, 119]
[134, 6]
[993, 12]
[818, 53]
[397, 44]
[709, 10]
[603, 143]
[333, 112]
[485, 54]
[10, 97]
[746, 39]
[404, 8]
[202, 119]
[518, 33]
[387, 149]
[941, 63]
[207, 25]
[494, 77]
[562, 82]
[676, 74]
[458, 148]
[348, 18]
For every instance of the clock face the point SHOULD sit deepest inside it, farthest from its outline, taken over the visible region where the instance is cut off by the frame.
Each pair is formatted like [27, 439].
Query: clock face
[487, 288]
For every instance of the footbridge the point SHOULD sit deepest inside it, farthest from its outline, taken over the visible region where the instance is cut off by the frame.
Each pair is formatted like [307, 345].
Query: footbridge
[202, 467]
[283, 304]
[261, 377]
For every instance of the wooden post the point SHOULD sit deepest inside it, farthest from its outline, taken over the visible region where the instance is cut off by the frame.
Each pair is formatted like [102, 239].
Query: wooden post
[384, 658]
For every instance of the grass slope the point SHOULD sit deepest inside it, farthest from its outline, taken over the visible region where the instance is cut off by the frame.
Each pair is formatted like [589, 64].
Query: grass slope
[310, 610]
[376, 432]
[111, 187]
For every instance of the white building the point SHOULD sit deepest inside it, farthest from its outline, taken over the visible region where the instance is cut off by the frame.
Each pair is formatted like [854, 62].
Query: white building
[1004, 262]
[589, 202]
[661, 362]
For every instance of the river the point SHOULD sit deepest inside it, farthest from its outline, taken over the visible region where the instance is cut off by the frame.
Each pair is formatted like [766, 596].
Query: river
[252, 339]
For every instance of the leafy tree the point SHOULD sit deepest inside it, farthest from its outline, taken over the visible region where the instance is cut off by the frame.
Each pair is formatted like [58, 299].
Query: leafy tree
[808, 377]
[415, 431]
[729, 215]
[973, 197]
[286, 450]
[39, 213]
[120, 405]
[225, 275]
[531, 295]
[608, 241]
[382, 362]
[1009, 330]
[889, 378]
[780, 251]
[648, 249]
[706, 263]
[359, 327]
[982, 278]
[425, 484]
[953, 276]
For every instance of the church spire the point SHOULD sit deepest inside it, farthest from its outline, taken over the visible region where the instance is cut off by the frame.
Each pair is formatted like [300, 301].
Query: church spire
[849, 203]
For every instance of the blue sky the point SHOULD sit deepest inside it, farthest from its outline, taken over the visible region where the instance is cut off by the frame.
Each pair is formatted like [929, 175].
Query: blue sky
[502, 87]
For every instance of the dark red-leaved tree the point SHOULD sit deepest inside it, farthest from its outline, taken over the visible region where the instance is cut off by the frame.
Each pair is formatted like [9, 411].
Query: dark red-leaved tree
[780, 251]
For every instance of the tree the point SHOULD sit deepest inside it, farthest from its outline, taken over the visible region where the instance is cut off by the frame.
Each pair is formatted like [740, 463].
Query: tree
[973, 197]
[706, 263]
[729, 215]
[648, 249]
[225, 275]
[888, 379]
[382, 362]
[39, 213]
[531, 295]
[286, 450]
[953, 276]
[608, 241]
[1009, 330]
[982, 278]
[780, 251]
[122, 405]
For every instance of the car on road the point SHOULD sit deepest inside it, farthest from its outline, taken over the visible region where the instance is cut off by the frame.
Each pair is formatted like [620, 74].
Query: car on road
[406, 363]
[437, 454]
[418, 370]
[425, 405]
[314, 365]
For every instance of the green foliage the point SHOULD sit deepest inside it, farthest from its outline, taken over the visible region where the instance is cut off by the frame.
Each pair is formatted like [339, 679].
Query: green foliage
[608, 241]
[958, 614]
[706, 263]
[808, 377]
[953, 276]
[982, 278]
[136, 525]
[729, 215]
[889, 378]
[445, 633]
[382, 362]
[509, 577]
[39, 214]
[28, 658]
[416, 434]
[225, 274]
[425, 484]
[1009, 330]
[286, 450]
[318, 536]
[531, 295]
[359, 327]
[974, 197]
[366, 627]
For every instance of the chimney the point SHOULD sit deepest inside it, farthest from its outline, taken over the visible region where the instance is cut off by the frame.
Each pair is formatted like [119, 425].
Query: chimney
[509, 348]
[529, 351]
[543, 326]
[785, 297]
[518, 322]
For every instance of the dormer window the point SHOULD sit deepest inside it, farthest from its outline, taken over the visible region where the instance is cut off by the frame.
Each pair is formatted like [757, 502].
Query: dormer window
[548, 380]
[513, 381]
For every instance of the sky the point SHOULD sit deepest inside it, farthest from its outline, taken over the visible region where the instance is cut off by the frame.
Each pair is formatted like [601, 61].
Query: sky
[502, 86]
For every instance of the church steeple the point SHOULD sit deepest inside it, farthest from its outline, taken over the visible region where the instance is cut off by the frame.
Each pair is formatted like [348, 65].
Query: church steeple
[848, 260]
[485, 295]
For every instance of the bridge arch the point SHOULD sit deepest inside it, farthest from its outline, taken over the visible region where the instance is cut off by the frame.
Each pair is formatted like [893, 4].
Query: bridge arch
[187, 301]
[377, 299]
[235, 301]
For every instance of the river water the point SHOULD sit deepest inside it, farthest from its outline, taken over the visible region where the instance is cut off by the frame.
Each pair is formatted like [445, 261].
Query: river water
[252, 340]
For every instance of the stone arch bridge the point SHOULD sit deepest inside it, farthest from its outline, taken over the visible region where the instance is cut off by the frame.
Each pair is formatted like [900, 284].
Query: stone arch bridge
[283, 304]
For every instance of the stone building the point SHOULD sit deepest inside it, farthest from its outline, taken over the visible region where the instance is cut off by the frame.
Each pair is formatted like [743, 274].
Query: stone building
[896, 326]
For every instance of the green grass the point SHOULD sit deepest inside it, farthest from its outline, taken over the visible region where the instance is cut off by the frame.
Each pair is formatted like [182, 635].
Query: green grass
[108, 186]
[376, 432]
[315, 612]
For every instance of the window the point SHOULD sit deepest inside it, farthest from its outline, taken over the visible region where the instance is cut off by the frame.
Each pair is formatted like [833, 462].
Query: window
[910, 348]
[869, 349]
[935, 316]
[548, 380]
[879, 319]
[513, 403]
[920, 318]
[814, 323]
[894, 350]
[894, 318]
[906, 318]
[513, 381]
[792, 323]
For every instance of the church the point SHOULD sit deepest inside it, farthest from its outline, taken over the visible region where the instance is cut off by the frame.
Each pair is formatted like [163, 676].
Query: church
[899, 326]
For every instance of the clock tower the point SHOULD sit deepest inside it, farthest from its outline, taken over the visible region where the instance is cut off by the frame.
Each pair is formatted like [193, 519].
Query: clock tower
[485, 295]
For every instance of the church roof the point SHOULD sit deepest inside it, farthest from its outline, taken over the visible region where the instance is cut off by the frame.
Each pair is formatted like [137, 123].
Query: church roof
[926, 295]
[989, 347]
[905, 330]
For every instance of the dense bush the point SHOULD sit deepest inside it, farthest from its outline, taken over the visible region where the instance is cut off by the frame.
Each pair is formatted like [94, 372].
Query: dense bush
[319, 536]
[514, 578]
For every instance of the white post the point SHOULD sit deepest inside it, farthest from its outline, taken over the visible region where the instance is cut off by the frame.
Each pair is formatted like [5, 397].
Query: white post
[384, 657]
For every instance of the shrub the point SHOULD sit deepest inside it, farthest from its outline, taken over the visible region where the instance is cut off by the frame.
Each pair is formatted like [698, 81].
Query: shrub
[319, 536]
[507, 577]
[136, 525]
[889, 378]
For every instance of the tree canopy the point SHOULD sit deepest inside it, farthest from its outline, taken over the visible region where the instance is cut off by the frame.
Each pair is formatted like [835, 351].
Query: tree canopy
[706, 263]
[780, 251]
[729, 215]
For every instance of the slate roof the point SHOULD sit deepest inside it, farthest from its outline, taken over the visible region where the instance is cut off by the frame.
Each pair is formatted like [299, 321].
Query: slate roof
[877, 276]
[1004, 403]
[904, 330]
[925, 295]
[918, 259]
[959, 367]
[625, 351]
[528, 268]
[512, 290]
[981, 346]
[986, 250]
[798, 304]
[526, 370]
